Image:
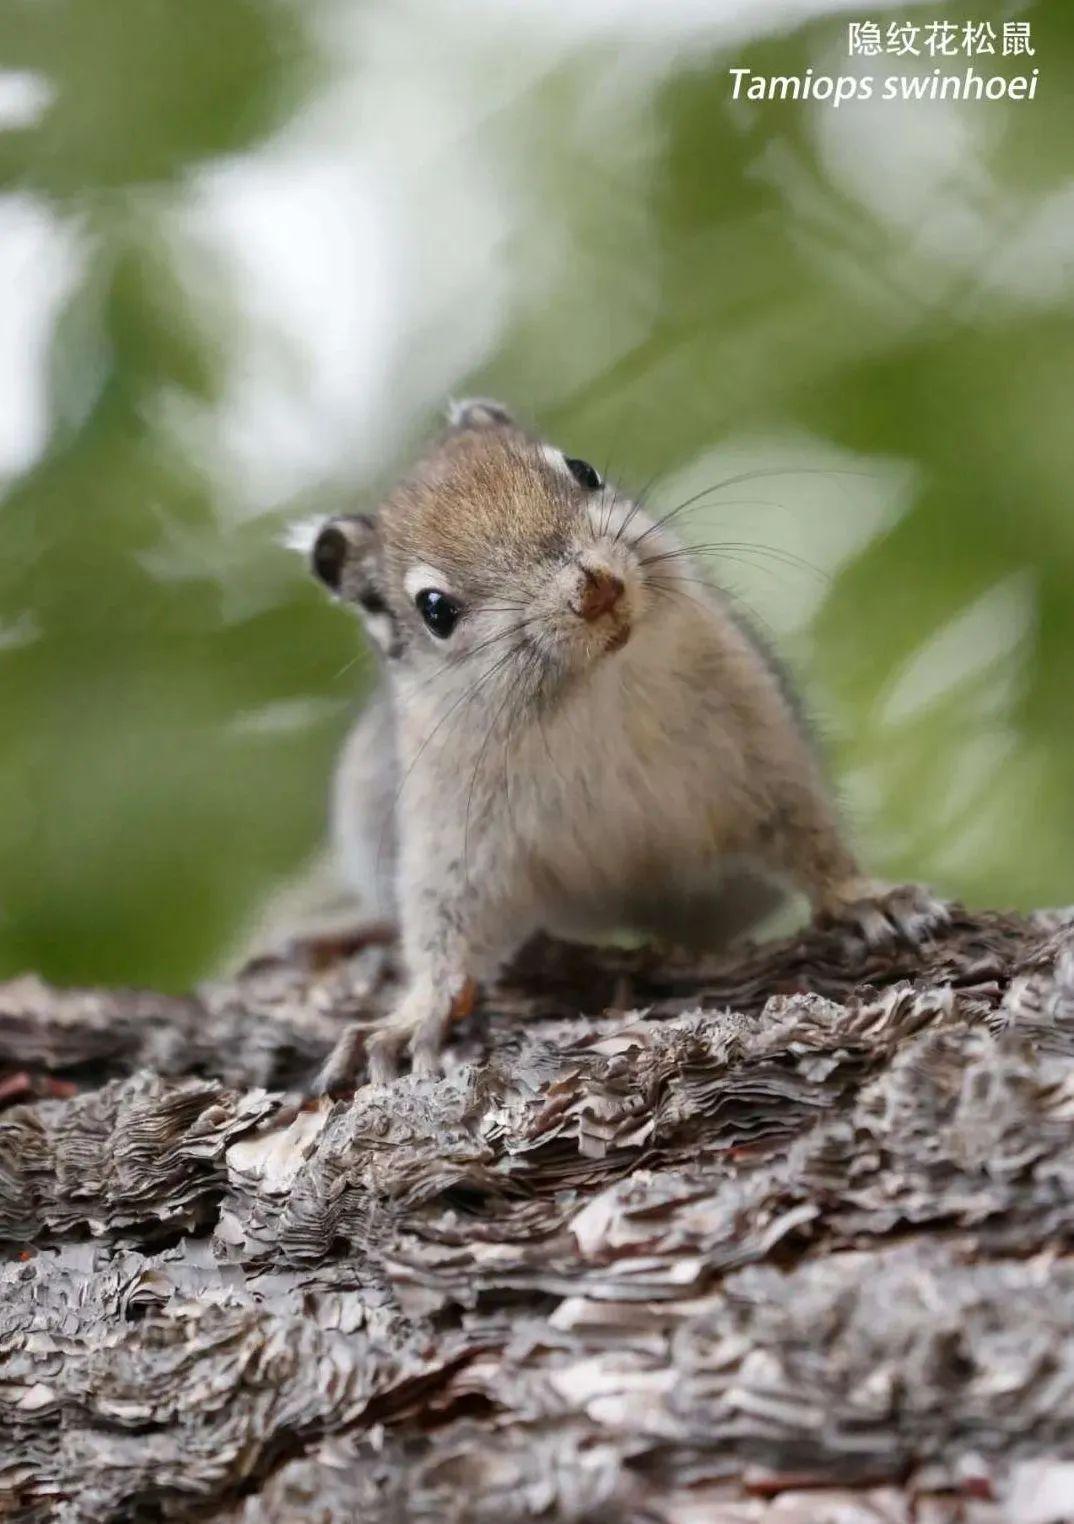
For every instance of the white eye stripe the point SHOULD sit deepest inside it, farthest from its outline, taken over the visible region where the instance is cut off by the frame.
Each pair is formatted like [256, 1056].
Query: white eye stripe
[423, 576]
[578, 471]
[557, 460]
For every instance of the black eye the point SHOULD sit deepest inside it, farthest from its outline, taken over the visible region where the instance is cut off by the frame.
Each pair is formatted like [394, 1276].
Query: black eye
[585, 475]
[440, 612]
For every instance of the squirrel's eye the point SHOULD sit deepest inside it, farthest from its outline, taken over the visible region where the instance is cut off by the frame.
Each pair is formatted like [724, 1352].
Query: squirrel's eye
[440, 612]
[585, 475]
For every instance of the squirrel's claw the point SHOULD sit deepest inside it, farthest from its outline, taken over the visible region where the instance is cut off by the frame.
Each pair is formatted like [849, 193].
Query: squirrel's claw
[337, 1074]
[881, 914]
[418, 1025]
[382, 1055]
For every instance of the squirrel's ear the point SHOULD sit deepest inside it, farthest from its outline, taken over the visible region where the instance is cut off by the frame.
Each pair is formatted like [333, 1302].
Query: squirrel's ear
[478, 413]
[342, 541]
[346, 557]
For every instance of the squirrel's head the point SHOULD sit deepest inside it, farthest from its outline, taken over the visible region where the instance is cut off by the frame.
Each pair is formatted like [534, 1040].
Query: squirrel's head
[500, 551]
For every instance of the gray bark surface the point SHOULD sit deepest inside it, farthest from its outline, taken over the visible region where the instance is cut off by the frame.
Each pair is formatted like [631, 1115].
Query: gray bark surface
[783, 1237]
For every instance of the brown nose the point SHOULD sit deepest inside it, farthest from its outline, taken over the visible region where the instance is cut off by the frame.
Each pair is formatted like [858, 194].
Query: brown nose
[600, 592]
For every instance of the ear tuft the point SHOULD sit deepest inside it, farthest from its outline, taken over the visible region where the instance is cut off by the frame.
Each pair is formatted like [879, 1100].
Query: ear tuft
[301, 535]
[478, 413]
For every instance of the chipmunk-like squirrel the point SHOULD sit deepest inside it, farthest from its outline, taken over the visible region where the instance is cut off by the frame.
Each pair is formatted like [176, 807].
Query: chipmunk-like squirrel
[573, 733]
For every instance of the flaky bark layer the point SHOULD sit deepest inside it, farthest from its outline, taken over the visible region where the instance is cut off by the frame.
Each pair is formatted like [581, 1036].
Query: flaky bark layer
[761, 1238]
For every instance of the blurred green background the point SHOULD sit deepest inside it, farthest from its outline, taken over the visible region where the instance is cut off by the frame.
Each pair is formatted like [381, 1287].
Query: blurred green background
[247, 248]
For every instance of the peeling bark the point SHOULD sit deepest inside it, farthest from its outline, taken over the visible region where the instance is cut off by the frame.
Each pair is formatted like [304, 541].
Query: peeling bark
[780, 1237]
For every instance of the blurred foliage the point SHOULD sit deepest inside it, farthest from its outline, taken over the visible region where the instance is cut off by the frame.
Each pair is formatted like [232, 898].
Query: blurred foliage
[712, 282]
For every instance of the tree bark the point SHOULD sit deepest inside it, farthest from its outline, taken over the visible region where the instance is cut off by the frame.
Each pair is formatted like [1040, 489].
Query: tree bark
[783, 1236]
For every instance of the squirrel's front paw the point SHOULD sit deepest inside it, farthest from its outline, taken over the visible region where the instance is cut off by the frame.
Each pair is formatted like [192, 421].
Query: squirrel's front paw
[419, 1024]
[381, 1050]
[880, 914]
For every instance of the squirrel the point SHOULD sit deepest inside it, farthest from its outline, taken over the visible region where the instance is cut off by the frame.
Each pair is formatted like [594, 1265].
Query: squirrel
[573, 733]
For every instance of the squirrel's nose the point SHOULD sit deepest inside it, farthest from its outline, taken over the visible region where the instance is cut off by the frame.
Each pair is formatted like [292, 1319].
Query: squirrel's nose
[599, 593]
